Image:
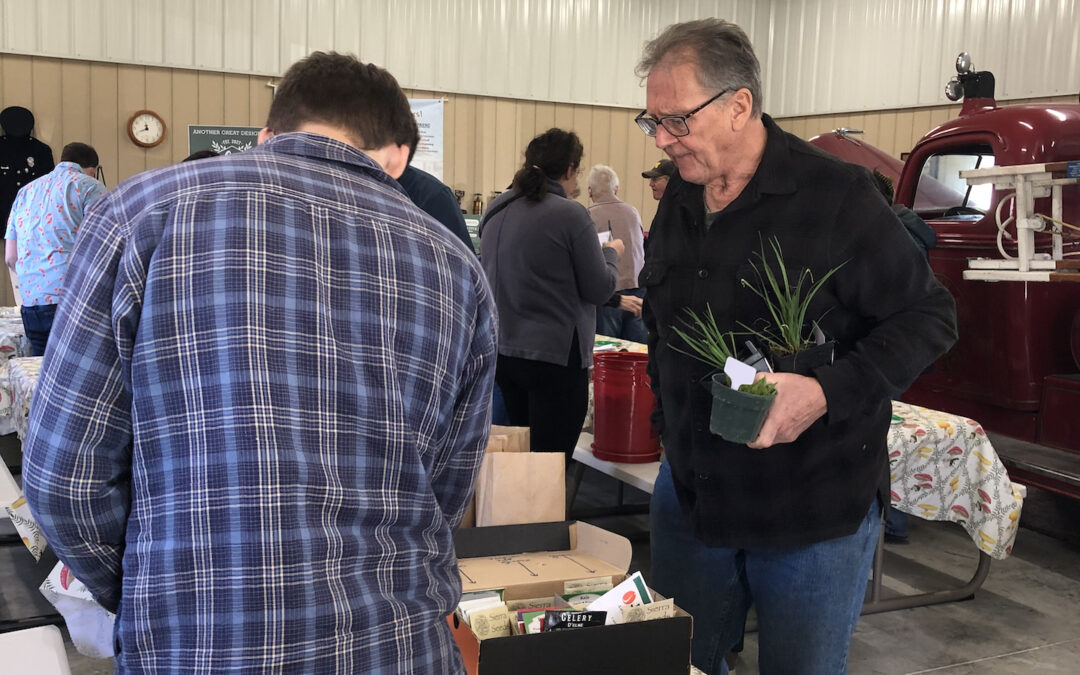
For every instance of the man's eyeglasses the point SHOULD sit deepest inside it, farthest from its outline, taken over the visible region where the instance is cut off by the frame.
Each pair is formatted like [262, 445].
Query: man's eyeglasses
[674, 124]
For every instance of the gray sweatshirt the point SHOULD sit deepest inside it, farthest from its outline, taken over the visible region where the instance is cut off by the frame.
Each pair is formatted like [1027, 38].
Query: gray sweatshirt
[548, 273]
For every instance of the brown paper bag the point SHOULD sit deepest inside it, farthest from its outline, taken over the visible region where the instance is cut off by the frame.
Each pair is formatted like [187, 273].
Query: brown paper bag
[508, 439]
[500, 439]
[521, 487]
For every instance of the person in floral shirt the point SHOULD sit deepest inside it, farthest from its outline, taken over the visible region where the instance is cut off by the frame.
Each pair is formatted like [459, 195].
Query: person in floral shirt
[41, 235]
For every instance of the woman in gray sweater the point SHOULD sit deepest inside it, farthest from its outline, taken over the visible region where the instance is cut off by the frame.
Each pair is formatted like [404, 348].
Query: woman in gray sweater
[548, 272]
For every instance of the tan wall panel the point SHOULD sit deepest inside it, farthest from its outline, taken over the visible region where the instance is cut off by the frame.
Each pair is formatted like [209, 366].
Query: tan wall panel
[211, 87]
[464, 133]
[47, 84]
[131, 97]
[527, 130]
[905, 129]
[159, 97]
[105, 117]
[259, 97]
[74, 112]
[236, 107]
[506, 146]
[16, 81]
[600, 140]
[185, 111]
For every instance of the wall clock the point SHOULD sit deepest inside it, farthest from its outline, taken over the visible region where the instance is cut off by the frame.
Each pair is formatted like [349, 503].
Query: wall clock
[146, 128]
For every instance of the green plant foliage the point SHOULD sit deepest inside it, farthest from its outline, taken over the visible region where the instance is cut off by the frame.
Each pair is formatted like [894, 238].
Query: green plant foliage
[704, 340]
[786, 300]
[759, 387]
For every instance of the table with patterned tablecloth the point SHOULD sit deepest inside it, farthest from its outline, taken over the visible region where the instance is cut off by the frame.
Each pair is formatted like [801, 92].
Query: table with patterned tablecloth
[943, 467]
[23, 374]
[13, 343]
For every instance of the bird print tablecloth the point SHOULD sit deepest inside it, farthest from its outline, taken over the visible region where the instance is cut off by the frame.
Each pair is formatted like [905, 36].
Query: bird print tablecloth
[13, 343]
[943, 467]
[23, 374]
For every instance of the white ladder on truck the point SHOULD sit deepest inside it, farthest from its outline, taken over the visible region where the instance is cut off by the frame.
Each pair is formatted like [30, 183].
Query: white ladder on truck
[1028, 183]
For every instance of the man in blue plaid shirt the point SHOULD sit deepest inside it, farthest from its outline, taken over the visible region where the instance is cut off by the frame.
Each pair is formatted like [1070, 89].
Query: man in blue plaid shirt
[267, 397]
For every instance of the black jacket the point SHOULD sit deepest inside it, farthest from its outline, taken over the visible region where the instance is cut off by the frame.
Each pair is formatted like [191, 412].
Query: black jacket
[437, 200]
[888, 315]
[22, 159]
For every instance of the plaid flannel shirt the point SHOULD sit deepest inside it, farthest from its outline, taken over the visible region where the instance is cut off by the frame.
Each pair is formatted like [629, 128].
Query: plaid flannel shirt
[261, 413]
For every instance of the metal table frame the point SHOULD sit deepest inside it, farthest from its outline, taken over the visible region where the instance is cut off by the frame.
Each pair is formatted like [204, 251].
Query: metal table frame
[643, 476]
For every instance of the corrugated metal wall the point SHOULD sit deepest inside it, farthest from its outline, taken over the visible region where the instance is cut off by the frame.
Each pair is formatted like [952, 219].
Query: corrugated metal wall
[819, 56]
[580, 51]
[829, 56]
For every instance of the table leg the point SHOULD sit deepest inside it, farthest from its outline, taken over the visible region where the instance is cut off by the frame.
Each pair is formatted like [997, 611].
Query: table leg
[879, 562]
[965, 592]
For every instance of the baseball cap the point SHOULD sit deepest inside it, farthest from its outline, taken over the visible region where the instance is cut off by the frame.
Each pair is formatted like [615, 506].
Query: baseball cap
[664, 167]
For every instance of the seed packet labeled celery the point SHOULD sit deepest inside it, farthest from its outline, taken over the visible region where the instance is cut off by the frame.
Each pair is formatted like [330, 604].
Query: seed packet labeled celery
[563, 619]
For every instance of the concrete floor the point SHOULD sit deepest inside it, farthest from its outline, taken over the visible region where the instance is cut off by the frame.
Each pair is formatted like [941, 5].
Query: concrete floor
[1025, 619]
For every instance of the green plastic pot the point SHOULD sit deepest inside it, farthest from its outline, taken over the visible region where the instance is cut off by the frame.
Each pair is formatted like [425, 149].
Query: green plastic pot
[736, 415]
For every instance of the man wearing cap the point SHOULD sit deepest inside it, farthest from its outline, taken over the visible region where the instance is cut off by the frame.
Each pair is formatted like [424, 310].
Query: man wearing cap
[658, 177]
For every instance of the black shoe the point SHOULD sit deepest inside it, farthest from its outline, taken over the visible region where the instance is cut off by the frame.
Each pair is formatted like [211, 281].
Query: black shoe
[895, 539]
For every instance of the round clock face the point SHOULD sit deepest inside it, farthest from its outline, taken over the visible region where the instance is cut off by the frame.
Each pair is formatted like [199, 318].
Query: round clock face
[146, 128]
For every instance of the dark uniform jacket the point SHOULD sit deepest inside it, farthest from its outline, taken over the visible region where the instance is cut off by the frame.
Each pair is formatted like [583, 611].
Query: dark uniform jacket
[888, 315]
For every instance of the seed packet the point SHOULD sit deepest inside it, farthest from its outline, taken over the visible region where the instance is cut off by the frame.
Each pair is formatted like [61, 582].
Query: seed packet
[661, 609]
[580, 601]
[535, 603]
[563, 619]
[490, 622]
[532, 620]
[602, 584]
[629, 593]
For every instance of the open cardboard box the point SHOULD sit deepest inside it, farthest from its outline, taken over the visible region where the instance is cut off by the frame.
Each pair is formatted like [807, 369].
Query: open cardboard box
[534, 560]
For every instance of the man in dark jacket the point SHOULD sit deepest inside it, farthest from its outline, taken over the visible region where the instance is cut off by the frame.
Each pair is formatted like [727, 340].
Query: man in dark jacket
[434, 198]
[788, 522]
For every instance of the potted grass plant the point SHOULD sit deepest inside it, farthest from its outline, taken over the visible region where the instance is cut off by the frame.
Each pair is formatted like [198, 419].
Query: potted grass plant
[793, 346]
[737, 415]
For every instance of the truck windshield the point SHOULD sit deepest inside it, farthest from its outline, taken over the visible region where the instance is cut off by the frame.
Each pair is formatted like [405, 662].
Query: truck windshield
[942, 193]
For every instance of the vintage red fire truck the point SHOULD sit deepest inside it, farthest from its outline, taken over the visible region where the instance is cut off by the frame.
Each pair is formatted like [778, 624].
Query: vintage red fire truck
[999, 185]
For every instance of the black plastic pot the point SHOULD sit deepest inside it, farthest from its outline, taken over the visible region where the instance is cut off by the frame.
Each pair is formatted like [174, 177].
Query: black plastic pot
[736, 415]
[804, 362]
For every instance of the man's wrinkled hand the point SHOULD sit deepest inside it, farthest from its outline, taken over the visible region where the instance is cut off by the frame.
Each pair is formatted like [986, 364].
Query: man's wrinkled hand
[799, 403]
[630, 303]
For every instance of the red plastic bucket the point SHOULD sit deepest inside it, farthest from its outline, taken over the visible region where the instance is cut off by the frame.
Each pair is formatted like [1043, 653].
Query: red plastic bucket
[622, 403]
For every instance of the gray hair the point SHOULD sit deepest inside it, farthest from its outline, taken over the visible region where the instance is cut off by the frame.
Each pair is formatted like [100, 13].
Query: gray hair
[720, 51]
[603, 180]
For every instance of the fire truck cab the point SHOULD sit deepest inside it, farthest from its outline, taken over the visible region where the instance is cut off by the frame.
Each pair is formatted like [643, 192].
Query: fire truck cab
[1016, 365]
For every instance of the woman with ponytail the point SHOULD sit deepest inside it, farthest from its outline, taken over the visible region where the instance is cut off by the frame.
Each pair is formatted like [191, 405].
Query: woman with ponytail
[548, 272]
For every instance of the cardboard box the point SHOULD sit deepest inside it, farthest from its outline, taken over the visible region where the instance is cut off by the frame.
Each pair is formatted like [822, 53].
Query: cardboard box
[535, 560]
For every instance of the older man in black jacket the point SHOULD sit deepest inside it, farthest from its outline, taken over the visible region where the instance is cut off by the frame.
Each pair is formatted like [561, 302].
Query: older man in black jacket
[788, 522]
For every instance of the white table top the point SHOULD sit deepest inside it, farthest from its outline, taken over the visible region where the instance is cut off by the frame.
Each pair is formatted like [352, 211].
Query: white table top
[642, 476]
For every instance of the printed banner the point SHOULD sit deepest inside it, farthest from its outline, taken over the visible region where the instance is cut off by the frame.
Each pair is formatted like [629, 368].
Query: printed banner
[429, 117]
[220, 139]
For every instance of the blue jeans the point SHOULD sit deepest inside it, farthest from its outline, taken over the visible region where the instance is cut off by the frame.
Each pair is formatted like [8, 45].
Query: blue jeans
[896, 522]
[808, 598]
[616, 323]
[37, 324]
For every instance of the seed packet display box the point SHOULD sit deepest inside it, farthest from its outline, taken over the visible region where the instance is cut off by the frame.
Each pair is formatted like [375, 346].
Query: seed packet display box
[534, 560]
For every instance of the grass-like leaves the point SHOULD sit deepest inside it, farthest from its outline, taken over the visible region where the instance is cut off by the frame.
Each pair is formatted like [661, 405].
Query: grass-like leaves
[787, 301]
[704, 339]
